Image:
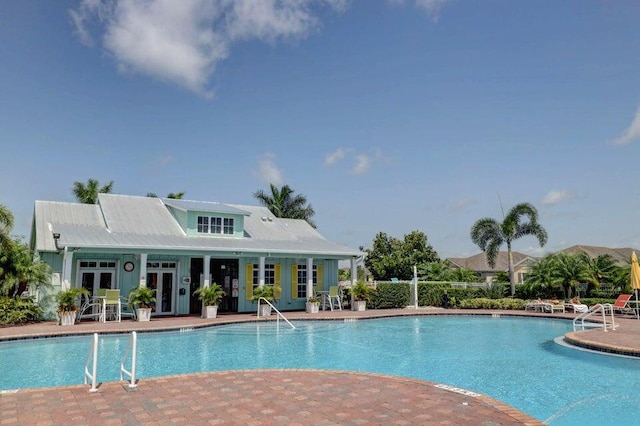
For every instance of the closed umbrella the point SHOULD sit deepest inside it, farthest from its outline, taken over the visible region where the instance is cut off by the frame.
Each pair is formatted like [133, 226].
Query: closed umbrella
[635, 278]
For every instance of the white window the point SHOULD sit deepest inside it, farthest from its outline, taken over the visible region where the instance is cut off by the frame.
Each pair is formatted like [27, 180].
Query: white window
[215, 225]
[269, 275]
[302, 279]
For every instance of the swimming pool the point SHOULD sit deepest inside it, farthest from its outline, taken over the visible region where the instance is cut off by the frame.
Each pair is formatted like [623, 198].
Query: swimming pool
[511, 359]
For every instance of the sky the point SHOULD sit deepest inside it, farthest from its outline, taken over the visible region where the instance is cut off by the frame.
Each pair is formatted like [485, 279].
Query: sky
[388, 115]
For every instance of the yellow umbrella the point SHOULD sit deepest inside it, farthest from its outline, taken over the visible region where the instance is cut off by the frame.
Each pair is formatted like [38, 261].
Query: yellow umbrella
[635, 277]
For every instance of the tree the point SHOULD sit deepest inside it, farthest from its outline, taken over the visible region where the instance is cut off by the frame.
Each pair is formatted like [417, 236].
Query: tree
[490, 235]
[282, 203]
[19, 268]
[394, 258]
[88, 194]
[600, 269]
[569, 270]
[173, 195]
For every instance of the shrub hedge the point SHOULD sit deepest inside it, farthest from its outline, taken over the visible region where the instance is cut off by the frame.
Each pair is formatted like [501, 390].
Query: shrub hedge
[18, 311]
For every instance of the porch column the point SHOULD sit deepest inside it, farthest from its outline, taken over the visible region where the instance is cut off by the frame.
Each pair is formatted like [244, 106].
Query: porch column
[354, 271]
[143, 269]
[207, 271]
[310, 277]
[261, 272]
[67, 267]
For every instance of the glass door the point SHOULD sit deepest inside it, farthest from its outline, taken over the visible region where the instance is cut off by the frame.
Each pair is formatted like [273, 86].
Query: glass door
[164, 283]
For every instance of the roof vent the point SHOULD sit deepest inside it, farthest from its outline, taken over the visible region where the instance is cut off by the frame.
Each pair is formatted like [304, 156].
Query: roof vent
[263, 218]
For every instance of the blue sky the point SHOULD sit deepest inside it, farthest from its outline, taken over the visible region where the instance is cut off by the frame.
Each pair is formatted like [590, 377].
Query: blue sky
[390, 116]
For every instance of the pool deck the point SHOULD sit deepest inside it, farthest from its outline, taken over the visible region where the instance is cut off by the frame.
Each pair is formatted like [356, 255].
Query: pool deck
[262, 397]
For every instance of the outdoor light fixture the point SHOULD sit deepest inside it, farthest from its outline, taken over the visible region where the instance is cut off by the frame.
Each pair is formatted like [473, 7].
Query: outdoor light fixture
[56, 237]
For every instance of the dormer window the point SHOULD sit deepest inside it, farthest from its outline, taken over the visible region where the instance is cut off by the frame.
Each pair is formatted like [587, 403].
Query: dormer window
[215, 225]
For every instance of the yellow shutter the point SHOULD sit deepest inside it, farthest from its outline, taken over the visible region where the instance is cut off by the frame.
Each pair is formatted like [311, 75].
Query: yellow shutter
[277, 290]
[320, 283]
[249, 281]
[294, 281]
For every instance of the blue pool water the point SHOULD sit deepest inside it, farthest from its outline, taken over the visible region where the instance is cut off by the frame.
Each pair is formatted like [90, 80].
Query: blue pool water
[511, 359]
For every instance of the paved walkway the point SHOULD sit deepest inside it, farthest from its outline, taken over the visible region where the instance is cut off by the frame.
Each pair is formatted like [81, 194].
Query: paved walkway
[259, 397]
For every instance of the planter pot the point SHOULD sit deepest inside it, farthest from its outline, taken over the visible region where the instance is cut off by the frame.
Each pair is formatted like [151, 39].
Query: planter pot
[313, 307]
[265, 310]
[210, 311]
[68, 318]
[143, 314]
[360, 305]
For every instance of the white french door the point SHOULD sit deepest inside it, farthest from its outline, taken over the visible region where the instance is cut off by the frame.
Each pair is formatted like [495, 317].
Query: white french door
[94, 275]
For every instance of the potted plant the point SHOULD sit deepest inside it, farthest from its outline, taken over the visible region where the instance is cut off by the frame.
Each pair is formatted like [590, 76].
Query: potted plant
[265, 292]
[360, 292]
[313, 305]
[67, 308]
[210, 297]
[143, 300]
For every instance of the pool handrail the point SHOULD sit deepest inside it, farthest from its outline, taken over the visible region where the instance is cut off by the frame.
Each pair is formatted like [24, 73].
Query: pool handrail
[603, 308]
[93, 354]
[279, 314]
[131, 347]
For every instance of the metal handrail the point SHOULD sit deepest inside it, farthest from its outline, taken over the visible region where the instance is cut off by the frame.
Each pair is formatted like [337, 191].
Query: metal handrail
[277, 311]
[603, 308]
[131, 347]
[93, 353]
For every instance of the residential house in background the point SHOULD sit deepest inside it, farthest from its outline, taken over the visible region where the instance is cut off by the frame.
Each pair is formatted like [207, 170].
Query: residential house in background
[478, 263]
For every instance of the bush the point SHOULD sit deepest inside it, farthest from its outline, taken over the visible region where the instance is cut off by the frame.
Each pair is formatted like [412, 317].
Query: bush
[390, 295]
[430, 294]
[18, 311]
[484, 303]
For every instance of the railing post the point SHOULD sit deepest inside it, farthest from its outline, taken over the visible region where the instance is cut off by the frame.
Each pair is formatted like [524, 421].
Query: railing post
[93, 352]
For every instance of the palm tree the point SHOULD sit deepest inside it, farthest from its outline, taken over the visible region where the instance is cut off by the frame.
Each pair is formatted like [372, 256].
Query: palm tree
[600, 270]
[282, 203]
[6, 220]
[569, 270]
[490, 235]
[88, 194]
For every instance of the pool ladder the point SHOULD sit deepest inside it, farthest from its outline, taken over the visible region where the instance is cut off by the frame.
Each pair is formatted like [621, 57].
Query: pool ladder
[92, 358]
[605, 309]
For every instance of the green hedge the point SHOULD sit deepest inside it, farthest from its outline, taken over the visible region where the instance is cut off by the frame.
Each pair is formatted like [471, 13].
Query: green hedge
[18, 311]
[390, 295]
[483, 303]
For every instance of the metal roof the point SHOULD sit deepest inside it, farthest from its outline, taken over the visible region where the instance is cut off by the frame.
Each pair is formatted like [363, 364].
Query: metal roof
[123, 222]
[202, 206]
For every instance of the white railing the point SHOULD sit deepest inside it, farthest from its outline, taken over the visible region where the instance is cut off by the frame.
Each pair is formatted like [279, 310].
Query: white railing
[92, 355]
[131, 347]
[605, 309]
[279, 314]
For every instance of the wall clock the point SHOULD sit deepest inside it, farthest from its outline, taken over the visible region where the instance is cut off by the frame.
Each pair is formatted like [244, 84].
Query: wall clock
[129, 266]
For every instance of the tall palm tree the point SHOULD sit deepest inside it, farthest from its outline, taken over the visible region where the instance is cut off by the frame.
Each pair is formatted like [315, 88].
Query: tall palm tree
[490, 235]
[282, 203]
[6, 219]
[88, 194]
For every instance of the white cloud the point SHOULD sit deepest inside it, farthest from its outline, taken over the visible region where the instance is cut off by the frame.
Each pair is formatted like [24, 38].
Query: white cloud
[268, 171]
[631, 134]
[335, 156]
[184, 41]
[432, 7]
[557, 196]
[363, 162]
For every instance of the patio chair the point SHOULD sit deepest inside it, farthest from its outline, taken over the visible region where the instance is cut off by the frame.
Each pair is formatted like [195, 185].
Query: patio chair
[334, 295]
[111, 306]
[621, 304]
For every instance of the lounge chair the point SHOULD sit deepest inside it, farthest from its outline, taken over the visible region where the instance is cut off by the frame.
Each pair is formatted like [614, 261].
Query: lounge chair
[621, 304]
[576, 307]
